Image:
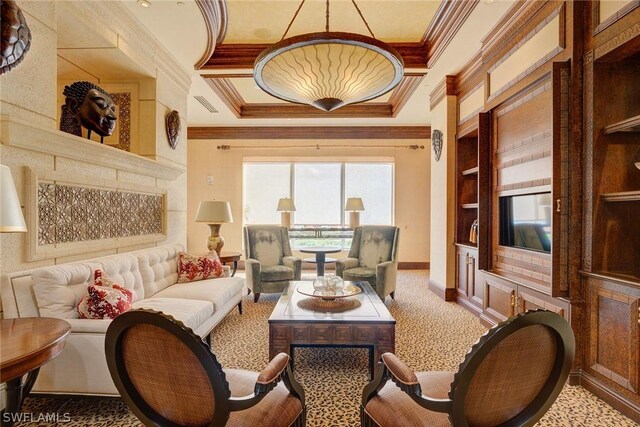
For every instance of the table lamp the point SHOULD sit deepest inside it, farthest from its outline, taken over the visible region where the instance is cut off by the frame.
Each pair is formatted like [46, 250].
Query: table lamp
[11, 219]
[285, 207]
[354, 204]
[215, 214]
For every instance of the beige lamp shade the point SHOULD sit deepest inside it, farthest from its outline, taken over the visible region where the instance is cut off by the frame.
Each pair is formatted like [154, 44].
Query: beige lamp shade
[214, 212]
[354, 204]
[11, 219]
[286, 205]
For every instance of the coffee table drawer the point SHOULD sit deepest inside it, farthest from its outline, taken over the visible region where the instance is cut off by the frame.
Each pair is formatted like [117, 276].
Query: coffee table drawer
[321, 334]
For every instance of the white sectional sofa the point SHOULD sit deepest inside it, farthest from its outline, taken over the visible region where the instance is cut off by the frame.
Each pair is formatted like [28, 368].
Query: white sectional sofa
[152, 273]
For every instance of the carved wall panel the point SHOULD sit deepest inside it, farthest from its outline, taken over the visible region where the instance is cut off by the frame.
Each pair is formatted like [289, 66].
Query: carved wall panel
[69, 213]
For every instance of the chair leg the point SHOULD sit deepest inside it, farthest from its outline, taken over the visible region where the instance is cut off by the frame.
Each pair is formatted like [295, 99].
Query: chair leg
[393, 295]
[248, 291]
[240, 307]
[256, 296]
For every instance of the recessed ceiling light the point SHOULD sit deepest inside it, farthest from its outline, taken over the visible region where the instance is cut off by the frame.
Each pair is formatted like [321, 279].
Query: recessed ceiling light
[144, 3]
[180, 3]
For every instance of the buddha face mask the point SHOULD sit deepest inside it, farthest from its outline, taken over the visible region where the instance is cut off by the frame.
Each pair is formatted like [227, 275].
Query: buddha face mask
[98, 113]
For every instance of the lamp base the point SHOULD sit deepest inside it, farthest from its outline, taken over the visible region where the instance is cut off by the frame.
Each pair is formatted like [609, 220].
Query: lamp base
[215, 242]
[354, 219]
[285, 219]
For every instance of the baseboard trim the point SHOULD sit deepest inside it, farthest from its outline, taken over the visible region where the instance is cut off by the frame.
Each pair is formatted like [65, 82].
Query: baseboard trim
[469, 306]
[414, 266]
[620, 403]
[447, 294]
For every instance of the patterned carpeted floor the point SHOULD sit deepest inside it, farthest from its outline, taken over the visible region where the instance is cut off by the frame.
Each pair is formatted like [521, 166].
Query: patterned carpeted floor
[430, 335]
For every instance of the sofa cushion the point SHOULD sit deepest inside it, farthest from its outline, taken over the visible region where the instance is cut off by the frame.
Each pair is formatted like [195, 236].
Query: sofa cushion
[216, 291]
[59, 288]
[192, 268]
[125, 270]
[158, 268]
[105, 300]
[361, 272]
[276, 273]
[192, 313]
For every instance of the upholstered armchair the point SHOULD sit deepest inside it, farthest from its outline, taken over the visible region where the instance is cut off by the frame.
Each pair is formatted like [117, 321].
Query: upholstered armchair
[269, 264]
[373, 257]
[510, 377]
[168, 376]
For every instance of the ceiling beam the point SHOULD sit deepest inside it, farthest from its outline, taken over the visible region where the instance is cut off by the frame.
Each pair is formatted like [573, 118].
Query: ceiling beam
[216, 17]
[310, 132]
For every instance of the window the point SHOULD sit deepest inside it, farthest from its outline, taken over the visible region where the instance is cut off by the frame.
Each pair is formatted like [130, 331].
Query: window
[264, 184]
[319, 190]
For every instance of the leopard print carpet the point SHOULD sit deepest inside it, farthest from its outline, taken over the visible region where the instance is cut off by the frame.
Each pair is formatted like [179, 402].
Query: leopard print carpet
[430, 335]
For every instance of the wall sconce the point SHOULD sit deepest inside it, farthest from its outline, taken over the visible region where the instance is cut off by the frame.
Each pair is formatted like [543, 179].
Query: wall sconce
[214, 213]
[355, 205]
[285, 207]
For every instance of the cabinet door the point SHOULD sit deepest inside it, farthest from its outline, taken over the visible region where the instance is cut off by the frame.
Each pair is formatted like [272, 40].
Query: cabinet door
[475, 286]
[613, 351]
[532, 300]
[462, 272]
[499, 299]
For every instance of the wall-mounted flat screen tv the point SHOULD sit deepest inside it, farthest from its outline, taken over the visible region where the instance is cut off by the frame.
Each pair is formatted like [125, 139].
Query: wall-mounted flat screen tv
[525, 221]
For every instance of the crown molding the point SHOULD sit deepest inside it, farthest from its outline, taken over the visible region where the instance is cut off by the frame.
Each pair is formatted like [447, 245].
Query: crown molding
[446, 23]
[216, 18]
[470, 76]
[228, 93]
[446, 87]
[509, 26]
[311, 132]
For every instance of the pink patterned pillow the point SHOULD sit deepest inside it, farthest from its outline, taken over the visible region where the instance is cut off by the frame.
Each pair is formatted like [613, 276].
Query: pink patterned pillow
[106, 299]
[192, 268]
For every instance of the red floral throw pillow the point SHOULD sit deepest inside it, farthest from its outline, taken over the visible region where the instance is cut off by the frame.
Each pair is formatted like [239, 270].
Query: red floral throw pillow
[192, 268]
[106, 300]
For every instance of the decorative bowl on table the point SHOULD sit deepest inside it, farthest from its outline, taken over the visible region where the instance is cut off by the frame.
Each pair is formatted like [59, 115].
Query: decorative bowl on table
[347, 290]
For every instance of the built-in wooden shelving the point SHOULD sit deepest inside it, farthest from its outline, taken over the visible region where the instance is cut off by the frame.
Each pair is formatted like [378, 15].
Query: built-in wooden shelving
[624, 196]
[628, 125]
[470, 171]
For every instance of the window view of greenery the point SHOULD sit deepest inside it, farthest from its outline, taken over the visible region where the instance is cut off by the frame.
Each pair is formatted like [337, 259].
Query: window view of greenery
[319, 190]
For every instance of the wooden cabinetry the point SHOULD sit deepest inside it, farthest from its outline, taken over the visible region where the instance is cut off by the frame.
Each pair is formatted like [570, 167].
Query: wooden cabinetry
[611, 246]
[613, 340]
[469, 289]
[504, 298]
[472, 188]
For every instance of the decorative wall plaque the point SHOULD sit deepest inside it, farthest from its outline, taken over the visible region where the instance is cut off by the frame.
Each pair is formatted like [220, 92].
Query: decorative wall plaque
[69, 213]
[436, 141]
[173, 127]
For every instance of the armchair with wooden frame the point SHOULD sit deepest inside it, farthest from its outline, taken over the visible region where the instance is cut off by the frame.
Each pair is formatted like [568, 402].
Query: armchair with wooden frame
[510, 377]
[167, 375]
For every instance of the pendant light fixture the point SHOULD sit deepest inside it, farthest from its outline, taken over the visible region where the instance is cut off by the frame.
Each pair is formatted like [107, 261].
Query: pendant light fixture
[328, 69]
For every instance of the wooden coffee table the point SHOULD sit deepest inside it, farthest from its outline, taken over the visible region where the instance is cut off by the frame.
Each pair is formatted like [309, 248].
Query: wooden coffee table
[358, 321]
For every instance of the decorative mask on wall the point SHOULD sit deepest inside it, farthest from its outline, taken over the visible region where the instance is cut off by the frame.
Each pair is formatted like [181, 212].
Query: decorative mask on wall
[88, 106]
[436, 140]
[15, 39]
[172, 123]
